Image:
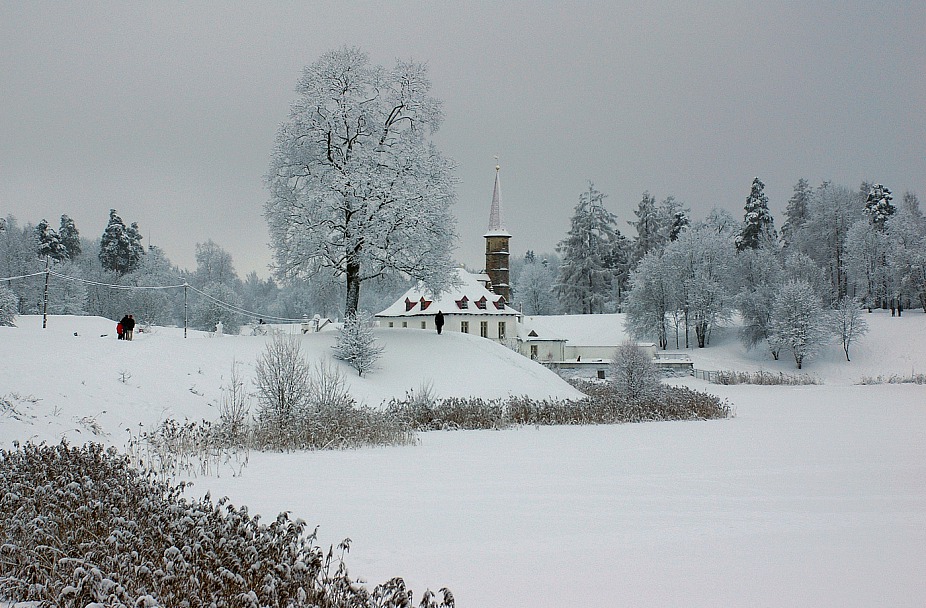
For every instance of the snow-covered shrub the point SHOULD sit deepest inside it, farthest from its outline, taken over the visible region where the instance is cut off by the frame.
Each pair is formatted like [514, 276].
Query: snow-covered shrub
[81, 528]
[283, 382]
[633, 373]
[603, 405]
[8, 307]
[356, 343]
[234, 404]
[763, 378]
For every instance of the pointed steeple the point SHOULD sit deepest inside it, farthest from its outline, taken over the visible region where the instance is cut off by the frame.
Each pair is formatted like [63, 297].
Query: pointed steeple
[496, 226]
[497, 245]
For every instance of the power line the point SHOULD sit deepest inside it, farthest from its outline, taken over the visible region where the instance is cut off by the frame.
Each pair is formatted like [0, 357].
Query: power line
[221, 303]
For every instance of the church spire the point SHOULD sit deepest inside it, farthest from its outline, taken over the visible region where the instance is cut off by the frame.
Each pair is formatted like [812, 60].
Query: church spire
[496, 226]
[497, 244]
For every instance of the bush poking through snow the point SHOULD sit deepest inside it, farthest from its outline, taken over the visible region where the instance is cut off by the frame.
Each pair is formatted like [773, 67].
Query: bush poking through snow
[282, 377]
[763, 378]
[8, 307]
[603, 405]
[81, 527]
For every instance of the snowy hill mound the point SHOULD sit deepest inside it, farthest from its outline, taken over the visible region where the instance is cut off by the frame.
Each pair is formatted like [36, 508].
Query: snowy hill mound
[75, 380]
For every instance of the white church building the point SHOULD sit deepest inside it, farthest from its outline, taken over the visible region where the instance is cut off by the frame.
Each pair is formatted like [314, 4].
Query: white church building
[469, 308]
[478, 304]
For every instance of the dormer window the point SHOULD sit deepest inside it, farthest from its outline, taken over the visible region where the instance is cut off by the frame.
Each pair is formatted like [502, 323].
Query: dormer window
[500, 303]
[481, 303]
[425, 303]
[409, 304]
[463, 304]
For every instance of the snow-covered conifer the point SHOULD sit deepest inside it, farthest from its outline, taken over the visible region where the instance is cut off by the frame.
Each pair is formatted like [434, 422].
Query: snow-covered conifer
[70, 237]
[120, 247]
[356, 343]
[48, 243]
[758, 225]
[649, 225]
[594, 256]
[797, 211]
[878, 205]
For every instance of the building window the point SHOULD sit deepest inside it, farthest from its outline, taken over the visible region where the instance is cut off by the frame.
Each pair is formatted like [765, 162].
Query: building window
[534, 353]
[404, 323]
[501, 330]
[464, 327]
[484, 329]
[424, 325]
[391, 324]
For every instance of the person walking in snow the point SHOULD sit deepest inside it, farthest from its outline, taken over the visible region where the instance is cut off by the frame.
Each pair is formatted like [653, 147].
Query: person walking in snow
[120, 333]
[123, 327]
[130, 328]
[439, 321]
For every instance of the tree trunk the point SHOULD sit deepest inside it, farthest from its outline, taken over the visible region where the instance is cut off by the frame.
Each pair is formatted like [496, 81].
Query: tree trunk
[701, 333]
[353, 289]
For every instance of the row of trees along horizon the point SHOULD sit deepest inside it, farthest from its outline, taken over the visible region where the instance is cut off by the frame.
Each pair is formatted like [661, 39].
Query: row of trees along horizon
[841, 242]
[349, 170]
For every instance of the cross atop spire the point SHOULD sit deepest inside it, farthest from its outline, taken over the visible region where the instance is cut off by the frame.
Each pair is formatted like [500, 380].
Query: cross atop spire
[496, 227]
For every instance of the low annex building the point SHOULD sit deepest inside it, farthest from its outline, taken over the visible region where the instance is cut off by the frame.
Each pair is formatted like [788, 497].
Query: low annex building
[468, 307]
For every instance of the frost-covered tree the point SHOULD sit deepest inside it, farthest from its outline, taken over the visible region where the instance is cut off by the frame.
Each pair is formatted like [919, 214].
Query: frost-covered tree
[797, 211]
[798, 321]
[120, 247]
[8, 307]
[866, 263]
[593, 256]
[357, 187]
[833, 210]
[878, 205]
[848, 322]
[217, 303]
[214, 265]
[650, 299]
[759, 274]
[906, 258]
[703, 258]
[154, 306]
[49, 243]
[18, 259]
[758, 225]
[70, 237]
[67, 293]
[533, 289]
[633, 374]
[356, 344]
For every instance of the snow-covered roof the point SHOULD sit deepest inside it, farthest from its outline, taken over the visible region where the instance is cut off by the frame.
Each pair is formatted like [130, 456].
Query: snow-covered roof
[468, 297]
[577, 330]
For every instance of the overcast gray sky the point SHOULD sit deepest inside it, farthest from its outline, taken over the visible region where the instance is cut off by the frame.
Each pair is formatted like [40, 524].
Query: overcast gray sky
[167, 111]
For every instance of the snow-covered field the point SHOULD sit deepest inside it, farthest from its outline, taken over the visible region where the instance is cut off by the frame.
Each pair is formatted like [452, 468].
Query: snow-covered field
[810, 496]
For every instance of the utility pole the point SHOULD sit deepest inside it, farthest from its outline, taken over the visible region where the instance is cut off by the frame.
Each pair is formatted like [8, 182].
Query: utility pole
[45, 304]
[185, 286]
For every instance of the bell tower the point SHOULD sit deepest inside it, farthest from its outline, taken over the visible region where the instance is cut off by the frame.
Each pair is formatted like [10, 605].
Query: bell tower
[497, 245]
